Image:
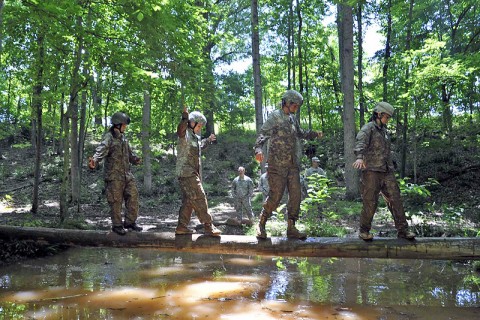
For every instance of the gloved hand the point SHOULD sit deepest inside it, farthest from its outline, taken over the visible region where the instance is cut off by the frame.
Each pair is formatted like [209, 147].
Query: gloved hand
[91, 163]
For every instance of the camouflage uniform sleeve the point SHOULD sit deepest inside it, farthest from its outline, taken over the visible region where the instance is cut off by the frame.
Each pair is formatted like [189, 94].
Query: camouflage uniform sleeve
[102, 149]
[305, 134]
[363, 136]
[250, 187]
[265, 133]
[182, 126]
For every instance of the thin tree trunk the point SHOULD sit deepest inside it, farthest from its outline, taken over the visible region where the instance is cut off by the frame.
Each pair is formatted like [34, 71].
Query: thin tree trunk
[37, 106]
[403, 162]
[257, 79]
[345, 25]
[73, 115]
[387, 51]
[146, 127]
[361, 98]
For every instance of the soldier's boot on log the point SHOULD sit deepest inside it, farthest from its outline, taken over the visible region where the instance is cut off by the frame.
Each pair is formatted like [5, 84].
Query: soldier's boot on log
[261, 232]
[182, 229]
[211, 230]
[405, 234]
[293, 232]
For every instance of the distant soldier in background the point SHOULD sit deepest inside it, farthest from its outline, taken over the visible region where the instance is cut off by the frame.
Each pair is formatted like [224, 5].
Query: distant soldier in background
[188, 170]
[283, 133]
[263, 183]
[120, 183]
[373, 153]
[242, 191]
[315, 168]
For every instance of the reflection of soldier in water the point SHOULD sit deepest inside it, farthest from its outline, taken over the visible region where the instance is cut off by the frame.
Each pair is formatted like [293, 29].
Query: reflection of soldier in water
[283, 133]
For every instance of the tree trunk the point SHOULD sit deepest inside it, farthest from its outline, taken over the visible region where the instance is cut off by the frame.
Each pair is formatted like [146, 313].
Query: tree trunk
[403, 153]
[383, 248]
[64, 190]
[37, 106]
[146, 127]
[361, 98]
[345, 25]
[387, 51]
[257, 78]
[72, 113]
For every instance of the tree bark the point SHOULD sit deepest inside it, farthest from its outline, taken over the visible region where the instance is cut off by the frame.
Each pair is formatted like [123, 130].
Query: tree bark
[387, 51]
[257, 78]
[345, 25]
[384, 248]
[37, 106]
[146, 127]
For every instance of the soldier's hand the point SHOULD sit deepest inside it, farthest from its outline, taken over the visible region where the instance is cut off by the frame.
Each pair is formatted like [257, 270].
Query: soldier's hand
[212, 138]
[359, 164]
[91, 163]
[259, 157]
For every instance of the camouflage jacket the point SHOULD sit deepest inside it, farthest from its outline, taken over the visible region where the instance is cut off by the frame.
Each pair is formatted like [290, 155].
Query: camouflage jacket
[284, 135]
[313, 170]
[263, 183]
[374, 147]
[189, 150]
[118, 156]
[242, 188]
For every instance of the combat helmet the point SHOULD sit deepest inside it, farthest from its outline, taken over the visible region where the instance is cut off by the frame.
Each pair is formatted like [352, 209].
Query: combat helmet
[120, 118]
[197, 117]
[292, 96]
[384, 107]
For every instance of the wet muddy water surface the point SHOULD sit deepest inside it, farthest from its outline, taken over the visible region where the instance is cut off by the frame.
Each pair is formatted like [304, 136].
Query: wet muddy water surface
[119, 283]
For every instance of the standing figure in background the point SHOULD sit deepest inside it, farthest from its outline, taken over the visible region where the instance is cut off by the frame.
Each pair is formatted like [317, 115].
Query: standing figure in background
[263, 184]
[242, 191]
[373, 152]
[188, 170]
[284, 134]
[120, 183]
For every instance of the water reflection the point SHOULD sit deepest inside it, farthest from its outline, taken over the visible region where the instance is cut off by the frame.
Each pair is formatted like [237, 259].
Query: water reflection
[113, 283]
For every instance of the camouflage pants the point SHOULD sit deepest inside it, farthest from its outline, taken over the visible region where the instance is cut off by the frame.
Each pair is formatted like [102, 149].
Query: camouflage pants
[278, 180]
[243, 206]
[117, 192]
[372, 184]
[193, 198]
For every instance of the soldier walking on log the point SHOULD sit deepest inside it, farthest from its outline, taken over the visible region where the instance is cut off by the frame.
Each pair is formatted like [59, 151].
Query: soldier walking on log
[120, 183]
[188, 170]
[373, 153]
[284, 134]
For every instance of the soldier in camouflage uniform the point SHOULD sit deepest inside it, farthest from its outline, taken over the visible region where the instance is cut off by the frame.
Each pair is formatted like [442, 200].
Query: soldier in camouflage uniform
[242, 191]
[120, 183]
[314, 169]
[188, 170]
[283, 133]
[263, 183]
[373, 153]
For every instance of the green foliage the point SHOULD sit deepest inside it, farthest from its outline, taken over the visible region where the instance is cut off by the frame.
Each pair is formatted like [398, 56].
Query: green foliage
[320, 220]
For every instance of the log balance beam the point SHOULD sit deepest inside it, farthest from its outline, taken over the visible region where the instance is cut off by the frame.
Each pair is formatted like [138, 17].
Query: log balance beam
[388, 248]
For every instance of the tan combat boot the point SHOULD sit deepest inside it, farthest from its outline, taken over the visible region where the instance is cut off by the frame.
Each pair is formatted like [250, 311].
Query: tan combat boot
[367, 236]
[211, 230]
[292, 231]
[261, 232]
[182, 229]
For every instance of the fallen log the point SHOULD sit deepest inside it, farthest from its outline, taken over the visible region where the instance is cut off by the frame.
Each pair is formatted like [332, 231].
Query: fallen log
[392, 248]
